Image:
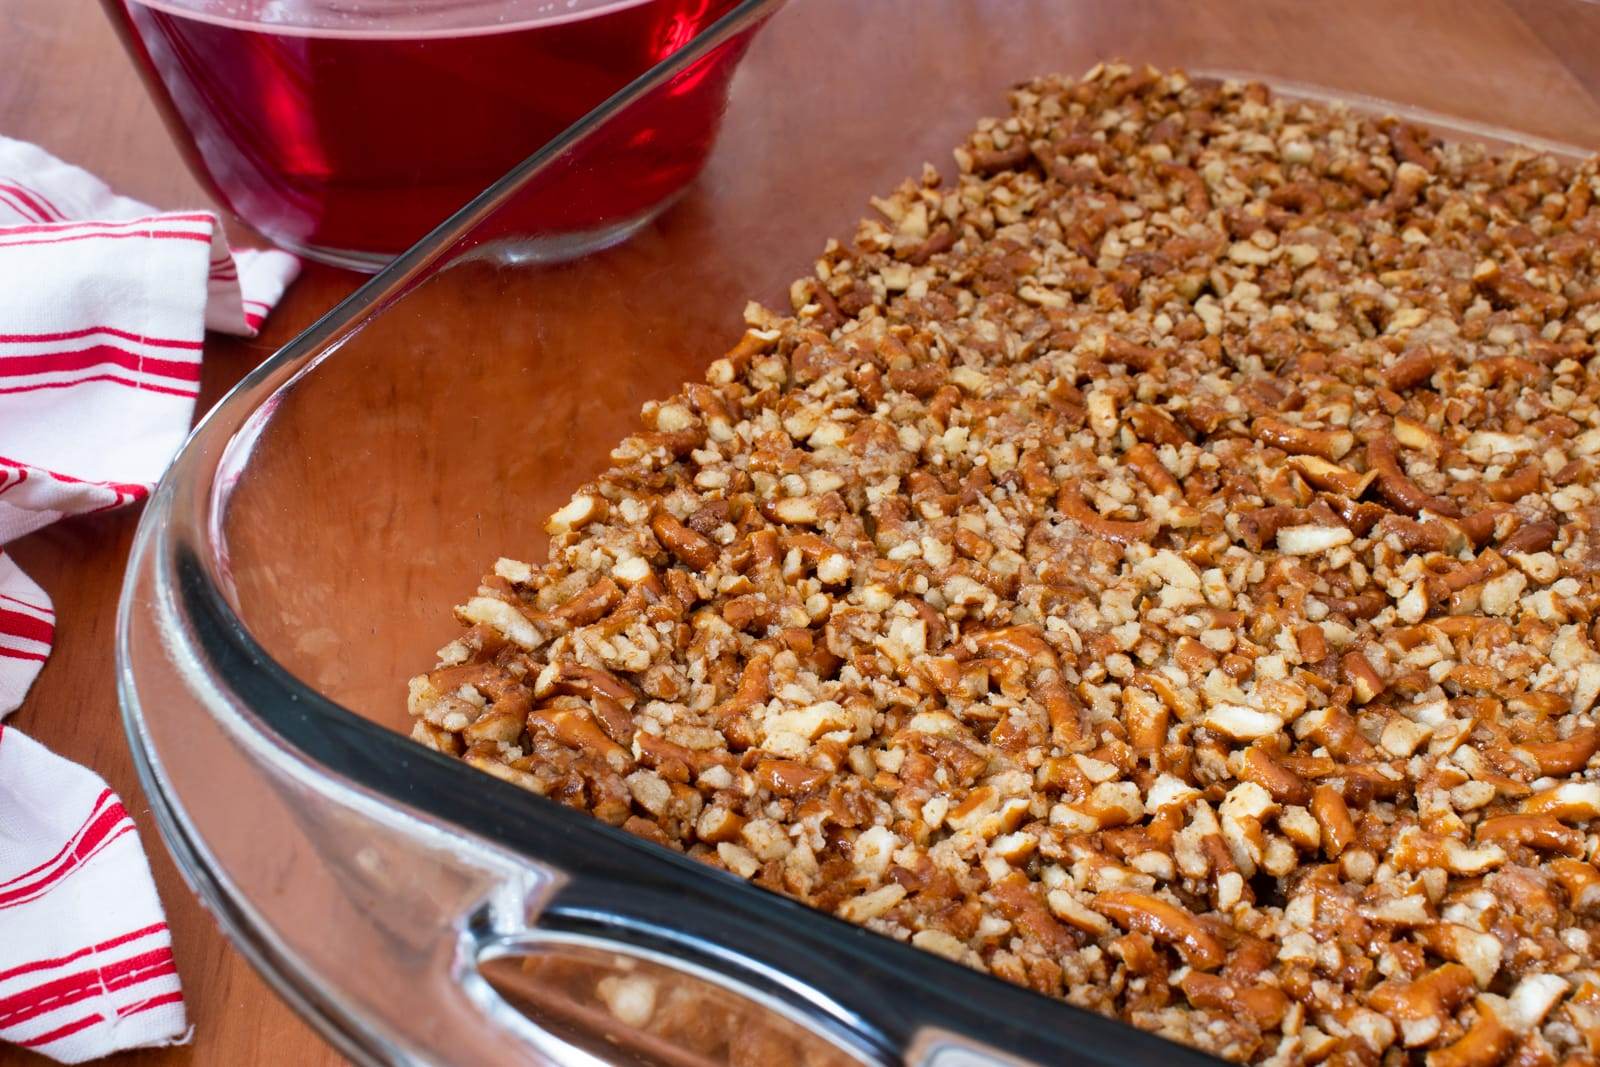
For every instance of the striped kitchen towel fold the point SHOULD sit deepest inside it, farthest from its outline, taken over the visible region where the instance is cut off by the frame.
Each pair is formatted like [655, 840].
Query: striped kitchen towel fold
[85, 957]
[104, 303]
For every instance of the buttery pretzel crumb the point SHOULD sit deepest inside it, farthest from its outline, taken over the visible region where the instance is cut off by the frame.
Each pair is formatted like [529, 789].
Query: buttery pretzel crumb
[1158, 569]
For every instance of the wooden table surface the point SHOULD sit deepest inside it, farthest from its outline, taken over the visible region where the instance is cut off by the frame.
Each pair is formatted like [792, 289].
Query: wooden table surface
[69, 88]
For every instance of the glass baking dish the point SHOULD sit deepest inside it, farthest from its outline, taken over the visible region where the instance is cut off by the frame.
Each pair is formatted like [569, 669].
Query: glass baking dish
[299, 561]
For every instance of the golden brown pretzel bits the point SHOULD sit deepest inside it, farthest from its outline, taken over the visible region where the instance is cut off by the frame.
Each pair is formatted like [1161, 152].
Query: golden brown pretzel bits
[1157, 567]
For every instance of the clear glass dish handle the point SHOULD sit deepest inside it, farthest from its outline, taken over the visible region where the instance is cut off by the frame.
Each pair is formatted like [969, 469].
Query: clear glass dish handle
[570, 885]
[871, 998]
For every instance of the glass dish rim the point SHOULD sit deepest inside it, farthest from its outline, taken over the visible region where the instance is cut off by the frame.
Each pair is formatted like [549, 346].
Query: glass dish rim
[193, 503]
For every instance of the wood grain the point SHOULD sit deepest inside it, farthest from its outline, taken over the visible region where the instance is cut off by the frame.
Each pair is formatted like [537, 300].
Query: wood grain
[69, 88]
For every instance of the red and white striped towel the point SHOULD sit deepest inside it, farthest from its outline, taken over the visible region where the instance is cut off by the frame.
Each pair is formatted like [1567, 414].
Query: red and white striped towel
[85, 957]
[104, 303]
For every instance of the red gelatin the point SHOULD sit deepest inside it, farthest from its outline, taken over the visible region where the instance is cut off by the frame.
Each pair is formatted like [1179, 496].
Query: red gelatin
[359, 136]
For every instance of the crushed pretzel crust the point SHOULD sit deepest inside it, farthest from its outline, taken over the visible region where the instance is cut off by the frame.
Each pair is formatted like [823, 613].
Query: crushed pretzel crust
[1159, 569]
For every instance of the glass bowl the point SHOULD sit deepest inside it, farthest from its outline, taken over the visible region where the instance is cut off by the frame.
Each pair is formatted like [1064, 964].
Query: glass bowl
[299, 561]
[343, 130]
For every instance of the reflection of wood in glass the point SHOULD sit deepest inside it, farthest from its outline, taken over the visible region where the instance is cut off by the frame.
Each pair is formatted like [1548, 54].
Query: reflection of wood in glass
[636, 1012]
[364, 138]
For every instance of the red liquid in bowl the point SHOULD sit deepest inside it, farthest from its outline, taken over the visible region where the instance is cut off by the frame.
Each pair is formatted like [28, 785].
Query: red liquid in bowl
[360, 139]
